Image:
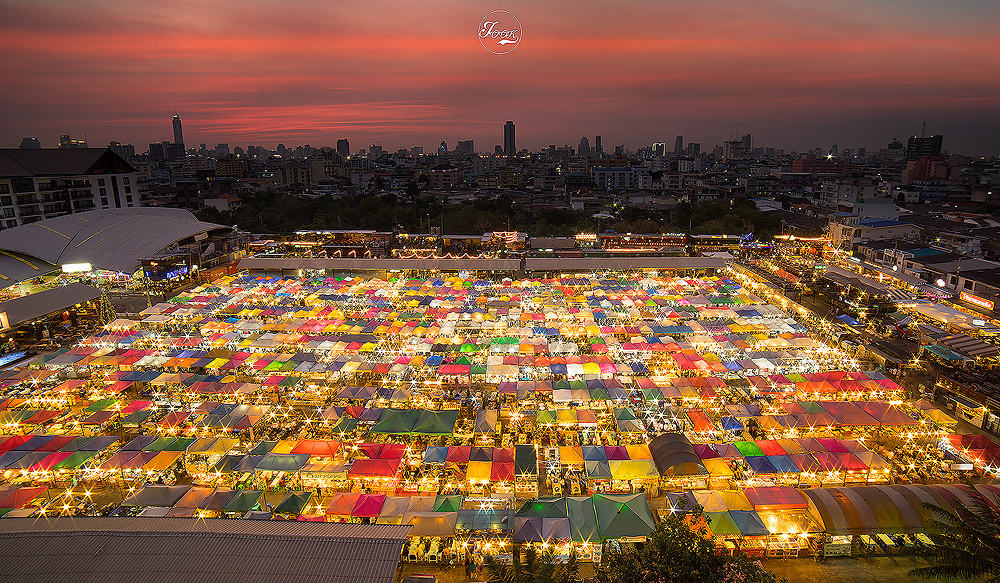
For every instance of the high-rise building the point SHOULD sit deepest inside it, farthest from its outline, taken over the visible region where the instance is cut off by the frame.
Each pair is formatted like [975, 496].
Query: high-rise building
[747, 142]
[917, 148]
[509, 144]
[52, 182]
[679, 145]
[598, 148]
[125, 151]
[443, 148]
[30, 144]
[659, 148]
[178, 133]
[67, 142]
[466, 147]
[161, 151]
[584, 146]
[343, 148]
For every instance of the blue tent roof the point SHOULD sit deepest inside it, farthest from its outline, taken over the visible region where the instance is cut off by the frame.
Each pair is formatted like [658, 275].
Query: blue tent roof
[731, 424]
[761, 464]
[848, 320]
[783, 464]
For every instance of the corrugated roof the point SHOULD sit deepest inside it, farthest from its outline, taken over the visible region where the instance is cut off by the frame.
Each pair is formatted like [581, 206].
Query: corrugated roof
[114, 239]
[45, 302]
[589, 264]
[154, 550]
[276, 263]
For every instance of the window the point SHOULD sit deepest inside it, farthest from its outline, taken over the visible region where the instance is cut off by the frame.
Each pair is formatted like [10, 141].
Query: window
[4, 188]
[125, 180]
[6, 200]
[22, 184]
[11, 224]
[100, 182]
[104, 201]
[128, 198]
[128, 189]
[104, 191]
[9, 213]
[967, 284]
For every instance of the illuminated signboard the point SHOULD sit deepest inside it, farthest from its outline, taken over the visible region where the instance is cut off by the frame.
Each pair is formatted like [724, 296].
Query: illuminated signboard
[976, 300]
[4, 323]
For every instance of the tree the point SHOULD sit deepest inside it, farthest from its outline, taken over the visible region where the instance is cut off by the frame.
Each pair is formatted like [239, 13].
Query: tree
[680, 550]
[534, 567]
[967, 545]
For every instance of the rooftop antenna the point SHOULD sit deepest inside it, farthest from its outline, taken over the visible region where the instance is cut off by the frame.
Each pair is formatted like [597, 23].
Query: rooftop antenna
[896, 135]
[923, 129]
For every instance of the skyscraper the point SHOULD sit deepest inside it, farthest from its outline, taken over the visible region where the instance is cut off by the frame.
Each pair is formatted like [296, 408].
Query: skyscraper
[917, 148]
[67, 142]
[343, 148]
[584, 146]
[508, 139]
[679, 145]
[598, 148]
[178, 134]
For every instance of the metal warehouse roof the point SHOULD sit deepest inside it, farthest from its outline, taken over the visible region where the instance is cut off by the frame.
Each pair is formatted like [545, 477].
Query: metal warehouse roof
[276, 263]
[182, 550]
[45, 302]
[19, 267]
[593, 263]
[114, 239]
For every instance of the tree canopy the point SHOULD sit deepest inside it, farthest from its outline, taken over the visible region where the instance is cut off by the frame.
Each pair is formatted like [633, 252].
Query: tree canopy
[680, 550]
[967, 545]
[415, 211]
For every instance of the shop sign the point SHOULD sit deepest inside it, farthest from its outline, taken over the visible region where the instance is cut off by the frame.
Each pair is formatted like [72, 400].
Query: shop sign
[976, 300]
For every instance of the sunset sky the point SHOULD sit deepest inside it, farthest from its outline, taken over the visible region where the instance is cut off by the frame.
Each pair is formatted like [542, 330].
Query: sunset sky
[797, 74]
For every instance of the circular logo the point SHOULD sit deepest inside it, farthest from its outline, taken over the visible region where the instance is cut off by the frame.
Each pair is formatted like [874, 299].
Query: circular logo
[500, 32]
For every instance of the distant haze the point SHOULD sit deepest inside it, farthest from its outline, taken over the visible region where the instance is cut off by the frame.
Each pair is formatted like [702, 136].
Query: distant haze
[797, 74]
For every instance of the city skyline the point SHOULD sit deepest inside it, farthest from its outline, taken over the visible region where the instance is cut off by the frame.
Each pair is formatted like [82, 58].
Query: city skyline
[795, 76]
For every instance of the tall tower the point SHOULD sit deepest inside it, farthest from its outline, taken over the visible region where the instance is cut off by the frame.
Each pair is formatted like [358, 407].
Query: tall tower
[178, 134]
[599, 149]
[508, 139]
[679, 145]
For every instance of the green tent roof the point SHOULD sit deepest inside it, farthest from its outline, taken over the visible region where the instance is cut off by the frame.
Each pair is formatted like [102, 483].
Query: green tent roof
[748, 448]
[444, 503]
[75, 460]
[543, 508]
[244, 501]
[282, 462]
[623, 515]
[721, 523]
[293, 502]
[582, 519]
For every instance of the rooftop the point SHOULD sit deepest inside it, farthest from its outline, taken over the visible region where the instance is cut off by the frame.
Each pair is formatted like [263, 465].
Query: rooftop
[114, 239]
[154, 550]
